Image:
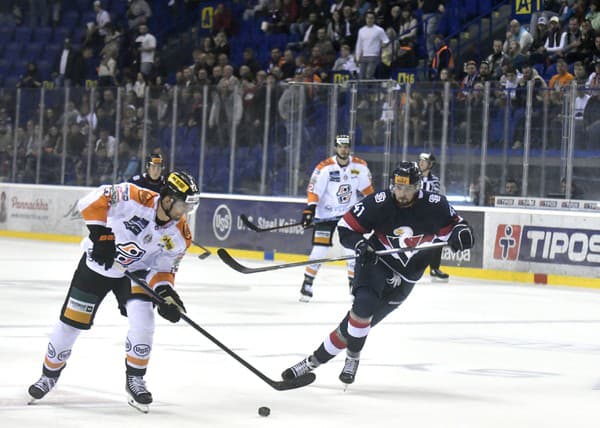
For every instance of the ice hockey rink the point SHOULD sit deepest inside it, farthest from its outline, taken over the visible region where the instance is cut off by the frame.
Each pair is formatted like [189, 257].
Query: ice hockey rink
[467, 353]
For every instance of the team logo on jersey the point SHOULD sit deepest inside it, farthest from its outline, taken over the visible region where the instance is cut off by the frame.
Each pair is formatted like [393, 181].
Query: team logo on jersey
[129, 253]
[136, 224]
[380, 197]
[144, 196]
[148, 238]
[508, 242]
[116, 193]
[334, 176]
[354, 172]
[344, 193]
[167, 242]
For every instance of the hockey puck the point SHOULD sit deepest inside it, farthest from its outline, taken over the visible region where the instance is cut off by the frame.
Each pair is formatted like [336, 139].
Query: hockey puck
[264, 411]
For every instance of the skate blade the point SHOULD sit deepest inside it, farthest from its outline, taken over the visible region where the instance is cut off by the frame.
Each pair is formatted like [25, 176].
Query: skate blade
[436, 279]
[144, 408]
[304, 299]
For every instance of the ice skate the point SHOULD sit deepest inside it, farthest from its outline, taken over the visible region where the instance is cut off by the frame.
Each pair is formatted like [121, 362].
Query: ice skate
[307, 365]
[438, 275]
[349, 371]
[137, 395]
[43, 386]
[306, 291]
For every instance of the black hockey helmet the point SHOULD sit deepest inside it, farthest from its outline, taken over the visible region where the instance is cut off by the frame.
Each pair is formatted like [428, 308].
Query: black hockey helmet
[406, 173]
[428, 157]
[154, 159]
[342, 139]
[182, 186]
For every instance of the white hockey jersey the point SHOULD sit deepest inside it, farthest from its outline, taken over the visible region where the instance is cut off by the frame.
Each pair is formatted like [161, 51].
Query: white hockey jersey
[334, 188]
[130, 211]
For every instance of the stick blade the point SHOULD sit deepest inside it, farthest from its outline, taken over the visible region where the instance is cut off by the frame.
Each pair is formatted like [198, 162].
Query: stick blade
[231, 262]
[298, 382]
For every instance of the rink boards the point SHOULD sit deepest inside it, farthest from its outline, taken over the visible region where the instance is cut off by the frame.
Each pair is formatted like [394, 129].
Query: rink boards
[515, 244]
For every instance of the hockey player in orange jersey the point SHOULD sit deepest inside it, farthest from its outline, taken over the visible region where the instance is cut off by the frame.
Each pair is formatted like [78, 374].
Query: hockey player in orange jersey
[336, 184]
[132, 229]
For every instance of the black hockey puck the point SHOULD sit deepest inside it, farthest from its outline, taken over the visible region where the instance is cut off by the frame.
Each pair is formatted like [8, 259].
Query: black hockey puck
[264, 411]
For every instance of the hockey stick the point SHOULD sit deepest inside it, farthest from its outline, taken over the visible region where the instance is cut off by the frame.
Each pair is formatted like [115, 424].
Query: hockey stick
[234, 264]
[256, 228]
[284, 385]
[206, 252]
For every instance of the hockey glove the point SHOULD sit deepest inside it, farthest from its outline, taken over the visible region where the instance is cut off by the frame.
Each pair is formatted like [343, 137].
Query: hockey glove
[103, 251]
[171, 306]
[461, 237]
[308, 215]
[366, 253]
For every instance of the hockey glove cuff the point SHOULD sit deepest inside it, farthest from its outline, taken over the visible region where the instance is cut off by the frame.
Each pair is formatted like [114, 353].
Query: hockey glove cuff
[461, 237]
[104, 250]
[366, 253]
[308, 215]
[171, 306]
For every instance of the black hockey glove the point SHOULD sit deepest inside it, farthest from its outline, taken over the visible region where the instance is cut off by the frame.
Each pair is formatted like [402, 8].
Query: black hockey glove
[461, 237]
[365, 252]
[172, 306]
[103, 251]
[308, 215]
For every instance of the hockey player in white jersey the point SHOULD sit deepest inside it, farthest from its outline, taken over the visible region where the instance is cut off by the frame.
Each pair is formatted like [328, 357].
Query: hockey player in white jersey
[134, 229]
[336, 184]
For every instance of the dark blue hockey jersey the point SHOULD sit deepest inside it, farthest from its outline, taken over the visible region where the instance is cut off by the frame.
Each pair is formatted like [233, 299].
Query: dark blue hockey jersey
[429, 217]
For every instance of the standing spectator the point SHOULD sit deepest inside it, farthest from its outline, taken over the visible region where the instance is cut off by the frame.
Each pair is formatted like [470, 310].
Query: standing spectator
[443, 58]
[221, 44]
[222, 20]
[147, 47]
[249, 60]
[102, 18]
[432, 13]
[518, 33]
[350, 26]
[371, 38]
[138, 13]
[288, 65]
[69, 67]
[106, 71]
[466, 85]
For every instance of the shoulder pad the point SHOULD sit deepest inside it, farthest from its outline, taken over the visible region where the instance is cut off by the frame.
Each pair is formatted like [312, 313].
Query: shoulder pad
[359, 160]
[324, 163]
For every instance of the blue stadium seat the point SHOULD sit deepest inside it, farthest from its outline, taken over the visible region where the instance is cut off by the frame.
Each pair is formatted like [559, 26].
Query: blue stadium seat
[51, 52]
[45, 69]
[33, 51]
[6, 34]
[22, 34]
[86, 6]
[12, 50]
[70, 19]
[60, 34]
[5, 67]
[10, 81]
[42, 34]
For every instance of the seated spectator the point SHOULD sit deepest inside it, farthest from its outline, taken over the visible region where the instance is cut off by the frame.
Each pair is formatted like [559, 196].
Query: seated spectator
[335, 28]
[562, 79]
[516, 32]
[345, 62]
[593, 81]
[515, 56]
[207, 45]
[593, 15]
[31, 78]
[276, 60]
[221, 44]
[325, 46]
[485, 73]
[488, 191]
[106, 71]
[249, 60]
[555, 41]
[350, 26]
[579, 73]
[288, 65]
[586, 48]
[571, 51]
[511, 187]
[496, 58]
[537, 53]
[466, 85]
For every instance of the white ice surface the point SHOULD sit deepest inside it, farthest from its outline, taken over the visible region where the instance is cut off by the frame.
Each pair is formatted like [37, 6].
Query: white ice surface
[464, 354]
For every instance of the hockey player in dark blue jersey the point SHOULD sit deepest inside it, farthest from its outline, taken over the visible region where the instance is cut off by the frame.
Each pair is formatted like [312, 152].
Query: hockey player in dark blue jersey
[153, 178]
[403, 216]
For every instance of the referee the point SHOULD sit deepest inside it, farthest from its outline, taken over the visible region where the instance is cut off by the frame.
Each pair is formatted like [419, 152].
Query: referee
[431, 183]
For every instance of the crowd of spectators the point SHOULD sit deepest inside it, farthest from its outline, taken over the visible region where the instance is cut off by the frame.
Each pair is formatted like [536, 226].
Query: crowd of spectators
[360, 39]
